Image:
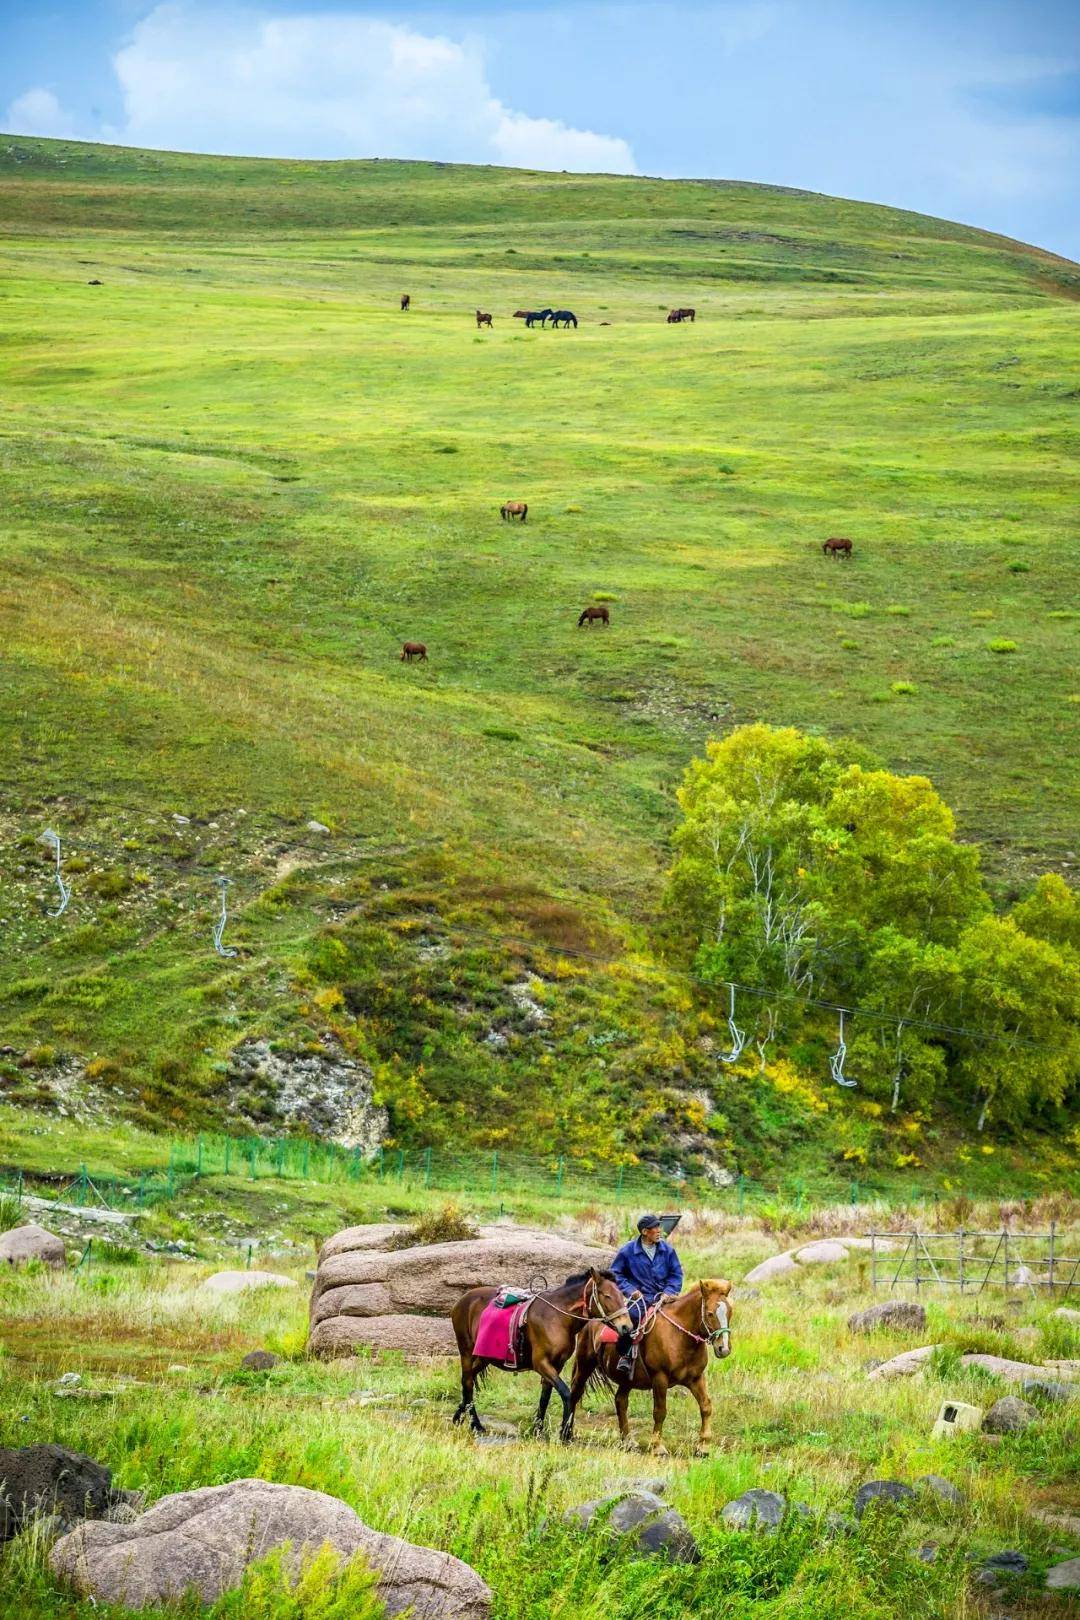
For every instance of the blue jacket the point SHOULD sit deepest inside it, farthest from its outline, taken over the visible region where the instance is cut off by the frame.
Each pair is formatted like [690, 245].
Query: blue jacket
[635, 1271]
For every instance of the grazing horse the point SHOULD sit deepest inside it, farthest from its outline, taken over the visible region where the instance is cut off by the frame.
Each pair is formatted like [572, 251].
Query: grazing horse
[674, 1349]
[564, 317]
[482, 319]
[514, 509]
[674, 318]
[590, 614]
[682, 315]
[406, 301]
[541, 315]
[411, 650]
[554, 1320]
[837, 547]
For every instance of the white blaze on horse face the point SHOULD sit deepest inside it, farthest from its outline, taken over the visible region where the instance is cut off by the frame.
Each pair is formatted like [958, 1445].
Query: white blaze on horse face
[722, 1344]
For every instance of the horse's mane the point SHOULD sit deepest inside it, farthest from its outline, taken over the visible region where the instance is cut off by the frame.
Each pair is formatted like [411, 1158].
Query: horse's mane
[583, 1276]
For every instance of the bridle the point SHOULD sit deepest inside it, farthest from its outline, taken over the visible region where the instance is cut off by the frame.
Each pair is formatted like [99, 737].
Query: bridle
[718, 1337]
[584, 1311]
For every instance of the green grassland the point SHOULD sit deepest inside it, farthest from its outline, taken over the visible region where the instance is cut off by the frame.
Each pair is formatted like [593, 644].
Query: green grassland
[167, 1406]
[235, 478]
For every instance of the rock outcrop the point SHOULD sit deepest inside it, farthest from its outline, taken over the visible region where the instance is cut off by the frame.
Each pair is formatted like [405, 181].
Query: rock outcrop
[52, 1480]
[401, 1299]
[205, 1539]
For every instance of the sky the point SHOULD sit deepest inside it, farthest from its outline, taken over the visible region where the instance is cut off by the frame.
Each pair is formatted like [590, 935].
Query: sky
[967, 109]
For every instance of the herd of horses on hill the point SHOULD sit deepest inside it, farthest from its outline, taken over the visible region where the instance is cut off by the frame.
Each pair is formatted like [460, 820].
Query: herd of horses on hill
[588, 1317]
[557, 317]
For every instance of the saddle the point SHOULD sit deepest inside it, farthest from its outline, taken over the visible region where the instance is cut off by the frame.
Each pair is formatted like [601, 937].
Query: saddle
[500, 1335]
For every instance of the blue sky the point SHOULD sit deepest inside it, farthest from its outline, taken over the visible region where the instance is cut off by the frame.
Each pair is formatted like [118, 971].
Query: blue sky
[962, 108]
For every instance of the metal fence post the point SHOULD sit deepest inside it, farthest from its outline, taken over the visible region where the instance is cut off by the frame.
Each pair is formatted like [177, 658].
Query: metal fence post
[1050, 1266]
[494, 1172]
[427, 1167]
[198, 1157]
[401, 1164]
[253, 1149]
[558, 1178]
[306, 1161]
[619, 1179]
[228, 1153]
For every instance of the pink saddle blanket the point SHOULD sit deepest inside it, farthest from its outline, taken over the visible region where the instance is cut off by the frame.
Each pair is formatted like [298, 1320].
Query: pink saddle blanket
[497, 1332]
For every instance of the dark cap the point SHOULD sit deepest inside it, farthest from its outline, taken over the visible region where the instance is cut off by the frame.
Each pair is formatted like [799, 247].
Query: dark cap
[646, 1221]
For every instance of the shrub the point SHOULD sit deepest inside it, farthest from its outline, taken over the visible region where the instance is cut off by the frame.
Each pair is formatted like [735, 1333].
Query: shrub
[983, 613]
[848, 644]
[1019, 568]
[447, 1225]
[604, 596]
[943, 641]
[501, 733]
[904, 688]
[1001, 645]
[898, 610]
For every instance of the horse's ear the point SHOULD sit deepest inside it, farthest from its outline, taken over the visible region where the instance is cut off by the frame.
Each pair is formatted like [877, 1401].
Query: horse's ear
[723, 1287]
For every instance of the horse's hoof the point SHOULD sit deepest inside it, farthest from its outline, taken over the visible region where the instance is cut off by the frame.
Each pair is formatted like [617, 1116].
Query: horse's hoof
[701, 1451]
[658, 1449]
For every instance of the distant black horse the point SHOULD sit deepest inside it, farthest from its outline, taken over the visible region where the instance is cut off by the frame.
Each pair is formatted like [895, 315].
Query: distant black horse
[541, 315]
[565, 316]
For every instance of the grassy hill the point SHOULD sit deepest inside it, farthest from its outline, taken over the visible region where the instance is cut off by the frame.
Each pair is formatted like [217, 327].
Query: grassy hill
[235, 478]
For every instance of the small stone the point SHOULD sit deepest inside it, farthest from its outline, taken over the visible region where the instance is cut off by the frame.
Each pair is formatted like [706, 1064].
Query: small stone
[177, 1367]
[755, 1509]
[886, 1492]
[942, 1488]
[1003, 1563]
[901, 1314]
[927, 1553]
[260, 1360]
[651, 1526]
[182, 821]
[1064, 1577]
[1067, 1315]
[69, 1380]
[317, 827]
[1009, 1415]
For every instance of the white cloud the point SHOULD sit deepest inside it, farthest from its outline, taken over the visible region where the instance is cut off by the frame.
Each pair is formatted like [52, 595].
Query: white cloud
[37, 112]
[322, 85]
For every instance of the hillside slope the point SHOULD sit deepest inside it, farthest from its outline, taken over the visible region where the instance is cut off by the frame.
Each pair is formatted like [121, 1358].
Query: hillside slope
[236, 477]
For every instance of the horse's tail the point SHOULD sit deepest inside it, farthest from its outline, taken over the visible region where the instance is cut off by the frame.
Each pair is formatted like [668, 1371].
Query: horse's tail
[524, 510]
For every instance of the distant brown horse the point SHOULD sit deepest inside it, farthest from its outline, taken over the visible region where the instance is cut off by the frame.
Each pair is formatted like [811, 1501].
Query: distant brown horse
[674, 1349]
[554, 1320]
[514, 509]
[411, 650]
[406, 301]
[482, 319]
[837, 547]
[682, 315]
[590, 614]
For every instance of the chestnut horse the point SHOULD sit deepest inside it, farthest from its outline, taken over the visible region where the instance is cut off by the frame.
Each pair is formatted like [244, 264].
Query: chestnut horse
[673, 1349]
[411, 650]
[514, 509]
[482, 319]
[590, 614]
[837, 547]
[554, 1320]
[405, 301]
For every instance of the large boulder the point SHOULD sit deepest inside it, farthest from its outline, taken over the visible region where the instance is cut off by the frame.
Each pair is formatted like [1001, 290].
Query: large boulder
[242, 1282]
[903, 1365]
[50, 1479]
[825, 1252]
[1064, 1577]
[205, 1539]
[32, 1242]
[413, 1335]
[777, 1265]
[903, 1315]
[1013, 1372]
[358, 1289]
[891, 1493]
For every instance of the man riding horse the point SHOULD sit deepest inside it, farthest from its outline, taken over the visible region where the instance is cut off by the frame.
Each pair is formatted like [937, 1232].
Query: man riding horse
[646, 1269]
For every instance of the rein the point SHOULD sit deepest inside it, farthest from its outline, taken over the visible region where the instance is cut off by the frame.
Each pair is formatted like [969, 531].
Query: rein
[580, 1312]
[712, 1336]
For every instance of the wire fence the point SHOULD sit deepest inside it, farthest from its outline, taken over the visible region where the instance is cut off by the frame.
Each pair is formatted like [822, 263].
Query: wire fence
[971, 1262]
[496, 1176]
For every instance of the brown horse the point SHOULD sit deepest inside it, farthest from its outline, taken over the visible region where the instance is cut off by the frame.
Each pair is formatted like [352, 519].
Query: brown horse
[411, 650]
[406, 301]
[514, 509]
[555, 1318]
[837, 547]
[673, 1349]
[682, 315]
[590, 614]
[482, 319]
